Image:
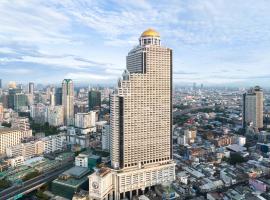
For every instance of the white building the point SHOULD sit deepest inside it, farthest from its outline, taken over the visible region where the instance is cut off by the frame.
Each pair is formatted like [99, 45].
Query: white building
[26, 150]
[10, 137]
[17, 161]
[55, 115]
[74, 138]
[21, 123]
[241, 140]
[81, 160]
[105, 138]
[141, 124]
[100, 125]
[85, 120]
[38, 147]
[182, 140]
[38, 112]
[14, 151]
[54, 143]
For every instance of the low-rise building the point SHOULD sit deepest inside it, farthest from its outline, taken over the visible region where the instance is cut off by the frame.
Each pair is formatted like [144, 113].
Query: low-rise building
[10, 137]
[81, 160]
[17, 161]
[54, 143]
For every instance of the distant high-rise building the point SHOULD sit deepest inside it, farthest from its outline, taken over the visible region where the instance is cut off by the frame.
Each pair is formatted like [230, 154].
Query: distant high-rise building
[52, 99]
[1, 112]
[17, 99]
[55, 115]
[194, 87]
[31, 87]
[68, 101]
[140, 124]
[0, 83]
[58, 96]
[20, 86]
[253, 107]
[38, 113]
[94, 100]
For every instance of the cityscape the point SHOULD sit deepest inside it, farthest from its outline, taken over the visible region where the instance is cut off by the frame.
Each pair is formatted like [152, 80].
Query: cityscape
[72, 128]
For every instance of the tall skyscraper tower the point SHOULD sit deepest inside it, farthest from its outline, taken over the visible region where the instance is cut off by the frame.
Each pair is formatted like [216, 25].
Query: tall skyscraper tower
[253, 107]
[68, 101]
[31, 87]
[58, 96]
[0, 83]
[16, 99]
[94, 100]
[141, 120]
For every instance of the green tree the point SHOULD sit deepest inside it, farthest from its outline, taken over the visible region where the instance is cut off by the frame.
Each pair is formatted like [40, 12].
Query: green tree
[235, 158]
[40, 195]
[5, 124]
[31, 175]
[4, 184]
[45, 128]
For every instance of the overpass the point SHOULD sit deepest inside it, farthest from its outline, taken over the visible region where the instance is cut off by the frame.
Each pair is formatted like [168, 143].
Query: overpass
[16, 192]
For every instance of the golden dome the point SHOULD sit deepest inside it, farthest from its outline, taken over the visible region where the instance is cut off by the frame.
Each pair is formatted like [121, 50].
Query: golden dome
[12, 85]
[150, 33]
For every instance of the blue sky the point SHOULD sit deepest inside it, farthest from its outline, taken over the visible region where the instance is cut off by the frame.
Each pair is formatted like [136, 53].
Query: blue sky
[215, 42]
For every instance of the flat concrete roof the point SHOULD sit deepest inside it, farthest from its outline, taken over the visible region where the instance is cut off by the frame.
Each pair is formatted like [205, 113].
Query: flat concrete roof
[77, 171]
[236, 148]
[6, 129]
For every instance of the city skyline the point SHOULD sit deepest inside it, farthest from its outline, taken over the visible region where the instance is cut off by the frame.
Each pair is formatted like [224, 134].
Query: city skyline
[215, 43]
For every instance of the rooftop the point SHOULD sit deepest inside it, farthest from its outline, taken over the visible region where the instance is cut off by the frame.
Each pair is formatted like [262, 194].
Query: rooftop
[236, 148]
[76, 172]
[6, 129]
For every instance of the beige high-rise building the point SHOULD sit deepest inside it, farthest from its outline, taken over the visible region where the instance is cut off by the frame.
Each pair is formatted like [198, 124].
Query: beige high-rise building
[253, 107]
[68, 101]
[140, 123]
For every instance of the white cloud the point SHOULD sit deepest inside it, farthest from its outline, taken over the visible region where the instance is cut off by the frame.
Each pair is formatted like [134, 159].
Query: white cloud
[16, 71]
[32, 21]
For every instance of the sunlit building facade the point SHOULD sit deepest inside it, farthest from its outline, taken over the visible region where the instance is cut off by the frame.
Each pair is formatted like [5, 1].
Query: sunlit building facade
[253, 107]
[140, 122]
[68, 101]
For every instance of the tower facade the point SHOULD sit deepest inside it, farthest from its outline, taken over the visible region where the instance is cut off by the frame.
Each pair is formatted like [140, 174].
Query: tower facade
[141, 120]
[253, 107]
[31, 87]
[94, 100]
[58, 96]
[141, 117]
[68, 101]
